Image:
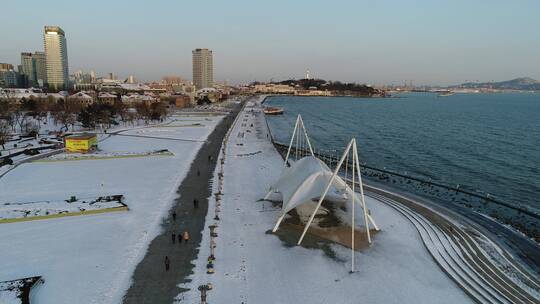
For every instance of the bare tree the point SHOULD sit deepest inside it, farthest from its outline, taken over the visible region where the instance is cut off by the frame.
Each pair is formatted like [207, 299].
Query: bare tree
[8, 105]
[5, 132]
[121, 109]
[42, 109]
[130, 117]
[65, 112]
[143, 111]
[158, 110]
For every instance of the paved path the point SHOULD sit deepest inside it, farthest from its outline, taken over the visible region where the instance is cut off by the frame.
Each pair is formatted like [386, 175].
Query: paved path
[457, 250]
[151, 283]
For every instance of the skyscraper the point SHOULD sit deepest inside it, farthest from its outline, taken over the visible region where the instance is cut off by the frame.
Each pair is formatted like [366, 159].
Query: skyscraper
[40, 68]
[28, 69]
[203, 68]
[56, 58]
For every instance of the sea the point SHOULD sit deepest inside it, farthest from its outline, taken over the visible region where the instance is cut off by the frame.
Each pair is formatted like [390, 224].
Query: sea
[485, 143]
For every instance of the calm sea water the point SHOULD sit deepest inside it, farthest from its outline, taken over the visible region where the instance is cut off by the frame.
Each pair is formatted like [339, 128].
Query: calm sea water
[484, 142]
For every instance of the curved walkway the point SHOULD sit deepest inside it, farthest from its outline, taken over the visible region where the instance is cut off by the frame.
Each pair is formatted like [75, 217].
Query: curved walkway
[456, 250]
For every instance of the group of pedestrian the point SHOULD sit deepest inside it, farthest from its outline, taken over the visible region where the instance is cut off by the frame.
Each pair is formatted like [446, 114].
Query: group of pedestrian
[182, 236]
[185, 235]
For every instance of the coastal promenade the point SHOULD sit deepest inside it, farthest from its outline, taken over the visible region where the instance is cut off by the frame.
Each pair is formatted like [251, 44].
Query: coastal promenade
[484, 271]
[254, 265]
[444, 259]
[150, 282]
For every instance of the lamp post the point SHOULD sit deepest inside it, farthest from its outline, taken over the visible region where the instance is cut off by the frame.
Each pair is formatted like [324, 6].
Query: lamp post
[203, 289]
[213, 234]
[212, 230]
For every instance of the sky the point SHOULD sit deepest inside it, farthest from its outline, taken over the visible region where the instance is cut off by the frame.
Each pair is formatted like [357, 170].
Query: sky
[375, 42]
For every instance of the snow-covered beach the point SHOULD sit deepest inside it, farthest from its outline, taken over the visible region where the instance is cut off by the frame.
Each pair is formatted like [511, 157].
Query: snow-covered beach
[253, 265]
[90, 259]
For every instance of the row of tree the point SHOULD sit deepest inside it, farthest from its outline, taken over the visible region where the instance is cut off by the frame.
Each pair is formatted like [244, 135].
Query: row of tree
[26, 116]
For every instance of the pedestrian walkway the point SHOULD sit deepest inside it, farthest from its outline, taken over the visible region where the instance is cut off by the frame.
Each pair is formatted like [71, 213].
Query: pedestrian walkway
[151, 282]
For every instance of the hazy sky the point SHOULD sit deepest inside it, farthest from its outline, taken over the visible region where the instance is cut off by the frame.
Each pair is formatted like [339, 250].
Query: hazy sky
[376, 42]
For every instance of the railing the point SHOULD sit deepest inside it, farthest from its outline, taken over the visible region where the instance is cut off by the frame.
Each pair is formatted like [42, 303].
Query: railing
[521, 218]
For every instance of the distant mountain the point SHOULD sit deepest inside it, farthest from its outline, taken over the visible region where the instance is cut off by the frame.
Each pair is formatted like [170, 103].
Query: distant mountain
[523, 83]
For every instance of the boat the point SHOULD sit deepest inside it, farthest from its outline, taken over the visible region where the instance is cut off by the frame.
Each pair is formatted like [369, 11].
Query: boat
[273, 111]
[445, 94]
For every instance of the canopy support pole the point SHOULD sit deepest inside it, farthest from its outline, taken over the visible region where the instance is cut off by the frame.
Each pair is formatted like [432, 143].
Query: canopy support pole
[306, 135]
[326, 191]
[278, 222]
[353, 203]
[268, 194]
[291, 142]
[373, 222]
[355, 154]
[297, 136]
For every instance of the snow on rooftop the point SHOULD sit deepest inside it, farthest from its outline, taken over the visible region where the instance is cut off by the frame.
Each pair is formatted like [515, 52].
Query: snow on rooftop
[134, 86]
[135, 98]
[81, 95]
[106, 95]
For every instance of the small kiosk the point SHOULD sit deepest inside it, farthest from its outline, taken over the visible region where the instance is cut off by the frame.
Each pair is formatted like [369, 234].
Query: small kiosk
[81, 143]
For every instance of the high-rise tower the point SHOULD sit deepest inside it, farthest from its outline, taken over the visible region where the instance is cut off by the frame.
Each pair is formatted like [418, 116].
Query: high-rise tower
[41, 68]
[203, 68]
[28, 70]
[56, 58]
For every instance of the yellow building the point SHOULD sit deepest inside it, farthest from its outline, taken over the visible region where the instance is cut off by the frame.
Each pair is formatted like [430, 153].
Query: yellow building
[81, 143]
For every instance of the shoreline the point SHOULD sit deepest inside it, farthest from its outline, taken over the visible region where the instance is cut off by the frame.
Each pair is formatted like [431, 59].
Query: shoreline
[328, 96]
[245, 247]
[515, 201]
[511, 240]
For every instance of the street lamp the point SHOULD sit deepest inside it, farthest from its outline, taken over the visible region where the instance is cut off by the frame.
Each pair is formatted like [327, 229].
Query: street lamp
[203, 289]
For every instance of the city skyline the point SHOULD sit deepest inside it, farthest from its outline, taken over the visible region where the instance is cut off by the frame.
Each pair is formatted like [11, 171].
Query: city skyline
[349, 41]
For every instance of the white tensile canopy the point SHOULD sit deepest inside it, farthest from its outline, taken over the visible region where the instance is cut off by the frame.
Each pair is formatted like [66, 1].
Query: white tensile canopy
[310, 179]
[305, 182]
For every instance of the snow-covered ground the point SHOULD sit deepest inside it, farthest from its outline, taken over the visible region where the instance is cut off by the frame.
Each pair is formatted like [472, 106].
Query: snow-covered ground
[90, 259]
[13, 292]
[9, 293]
[14, 210]
[253, 266]
[104, 155]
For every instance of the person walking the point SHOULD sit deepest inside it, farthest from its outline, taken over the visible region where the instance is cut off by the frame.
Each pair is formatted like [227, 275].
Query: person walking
[167, 263]
[195, 203]
[186, 236]
[179, 238]
[173, 237]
